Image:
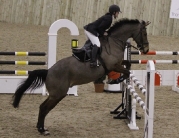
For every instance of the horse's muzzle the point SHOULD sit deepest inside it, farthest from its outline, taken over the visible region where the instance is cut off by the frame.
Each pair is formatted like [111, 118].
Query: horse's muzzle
[145, 52]
[144, 48]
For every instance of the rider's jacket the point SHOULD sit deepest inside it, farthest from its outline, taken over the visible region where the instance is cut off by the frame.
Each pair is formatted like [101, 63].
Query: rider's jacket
[99, 26]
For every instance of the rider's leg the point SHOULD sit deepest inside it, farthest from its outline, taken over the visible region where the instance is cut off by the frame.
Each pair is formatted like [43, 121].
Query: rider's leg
[96, 46]
[94, 52]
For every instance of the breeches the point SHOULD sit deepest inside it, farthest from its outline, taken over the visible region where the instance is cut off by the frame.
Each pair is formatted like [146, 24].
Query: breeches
[94, 39]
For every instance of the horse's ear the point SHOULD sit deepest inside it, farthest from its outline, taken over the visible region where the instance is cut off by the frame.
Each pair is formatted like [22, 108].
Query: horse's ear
[142, 22]
[147, 23]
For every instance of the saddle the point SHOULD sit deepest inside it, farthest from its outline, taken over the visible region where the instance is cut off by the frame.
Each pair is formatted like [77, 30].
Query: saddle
[83, 54]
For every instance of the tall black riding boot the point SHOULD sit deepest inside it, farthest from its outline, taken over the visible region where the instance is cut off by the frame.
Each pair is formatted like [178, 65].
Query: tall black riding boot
[94, 56]
[87, 43]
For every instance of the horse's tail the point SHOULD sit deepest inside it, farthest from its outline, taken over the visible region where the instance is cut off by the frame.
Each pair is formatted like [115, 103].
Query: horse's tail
[35, 80]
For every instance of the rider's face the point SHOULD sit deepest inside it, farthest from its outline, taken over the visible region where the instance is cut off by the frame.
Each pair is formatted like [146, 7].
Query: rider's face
[116, 14]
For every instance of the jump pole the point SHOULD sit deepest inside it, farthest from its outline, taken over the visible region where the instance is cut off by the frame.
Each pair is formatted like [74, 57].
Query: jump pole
[163, 77]
[156, 53]
[22, 63]
[9, 84]
[23, 53]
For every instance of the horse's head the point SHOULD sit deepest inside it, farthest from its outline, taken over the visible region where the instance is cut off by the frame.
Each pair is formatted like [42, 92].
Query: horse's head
[140, 37]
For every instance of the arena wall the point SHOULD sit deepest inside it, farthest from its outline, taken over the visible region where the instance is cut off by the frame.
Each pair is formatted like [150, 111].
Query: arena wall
[81, 12]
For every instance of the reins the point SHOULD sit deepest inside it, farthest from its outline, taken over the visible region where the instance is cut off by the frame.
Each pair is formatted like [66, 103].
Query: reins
[140, 46]
[128, 44]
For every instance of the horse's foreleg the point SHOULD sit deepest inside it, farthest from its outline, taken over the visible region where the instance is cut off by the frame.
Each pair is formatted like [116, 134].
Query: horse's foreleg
[125, 71]
[45, 108]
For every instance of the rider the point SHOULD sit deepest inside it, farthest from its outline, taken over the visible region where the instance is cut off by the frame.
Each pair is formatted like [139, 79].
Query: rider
[98, 28]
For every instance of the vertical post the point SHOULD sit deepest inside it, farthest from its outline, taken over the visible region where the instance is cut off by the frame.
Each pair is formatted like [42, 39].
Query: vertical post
[52, 44]
[132, 124]
[149, 100]
[128, 95]
[175, 81]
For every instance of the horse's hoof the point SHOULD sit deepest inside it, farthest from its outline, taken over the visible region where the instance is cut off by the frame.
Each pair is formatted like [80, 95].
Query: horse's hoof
[113, 82]
[45, 133]
[117, 81]
[120, 80]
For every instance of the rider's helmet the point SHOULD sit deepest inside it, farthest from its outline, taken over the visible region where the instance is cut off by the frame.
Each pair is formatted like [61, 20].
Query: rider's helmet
[114, 8]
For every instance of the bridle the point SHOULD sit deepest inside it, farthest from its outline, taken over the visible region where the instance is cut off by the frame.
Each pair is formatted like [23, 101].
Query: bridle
[142, 45]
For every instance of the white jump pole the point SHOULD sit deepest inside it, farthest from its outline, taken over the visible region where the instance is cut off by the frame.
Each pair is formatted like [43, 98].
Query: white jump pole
[52, 44]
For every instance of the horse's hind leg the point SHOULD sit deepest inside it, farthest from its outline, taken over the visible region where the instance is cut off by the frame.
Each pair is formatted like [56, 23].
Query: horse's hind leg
[45, 108]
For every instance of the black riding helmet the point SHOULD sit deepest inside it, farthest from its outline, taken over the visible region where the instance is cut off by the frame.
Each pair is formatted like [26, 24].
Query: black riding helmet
[114, 8]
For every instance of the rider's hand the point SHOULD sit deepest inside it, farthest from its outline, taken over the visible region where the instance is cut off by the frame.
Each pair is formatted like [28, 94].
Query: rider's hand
[105, 33]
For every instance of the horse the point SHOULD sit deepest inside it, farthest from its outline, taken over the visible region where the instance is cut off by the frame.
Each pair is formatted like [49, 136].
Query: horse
[68, 72]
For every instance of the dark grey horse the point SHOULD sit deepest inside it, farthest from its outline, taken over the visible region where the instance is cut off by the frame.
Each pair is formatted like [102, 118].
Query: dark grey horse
[69, 71]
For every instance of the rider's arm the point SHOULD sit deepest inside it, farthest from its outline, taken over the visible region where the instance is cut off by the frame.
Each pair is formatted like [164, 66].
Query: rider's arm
[105, 24]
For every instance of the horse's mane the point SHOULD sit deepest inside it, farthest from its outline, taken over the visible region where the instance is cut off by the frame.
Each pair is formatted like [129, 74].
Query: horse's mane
[121, 22]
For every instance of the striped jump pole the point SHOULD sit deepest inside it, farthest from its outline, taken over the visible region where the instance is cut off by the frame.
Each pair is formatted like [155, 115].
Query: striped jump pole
[138, 84]
[155, 61]
[156, 53]
[23, 53]
[9, 83]
[132, 117]
[15, 72]
[136, 96]
[22, 63]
